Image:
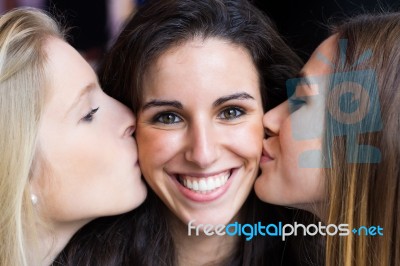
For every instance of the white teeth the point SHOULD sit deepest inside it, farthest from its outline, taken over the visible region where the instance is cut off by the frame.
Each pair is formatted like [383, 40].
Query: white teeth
[195, 185]
[204, 184]
[210, 184]
[189, 184]
[217, 182]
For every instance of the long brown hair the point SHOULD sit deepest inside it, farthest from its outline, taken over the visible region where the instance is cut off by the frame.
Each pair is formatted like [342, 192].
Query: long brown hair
[364, 181]
[163, 24]
[143, 237]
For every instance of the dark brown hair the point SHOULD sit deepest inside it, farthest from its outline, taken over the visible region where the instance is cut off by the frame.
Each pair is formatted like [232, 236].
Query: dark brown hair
[165, 24]
[142, 237]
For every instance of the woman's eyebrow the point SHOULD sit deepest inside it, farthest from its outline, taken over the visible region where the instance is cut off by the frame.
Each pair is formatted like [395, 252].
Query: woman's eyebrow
[302, 78]
[158, 103]
[300, 75]
[306, 85]
[235, 96]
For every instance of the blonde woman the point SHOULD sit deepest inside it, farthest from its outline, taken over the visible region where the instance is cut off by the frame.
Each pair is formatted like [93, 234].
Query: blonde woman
[67, 151]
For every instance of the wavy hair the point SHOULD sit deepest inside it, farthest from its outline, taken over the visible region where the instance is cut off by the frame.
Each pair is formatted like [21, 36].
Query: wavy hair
[143, 236]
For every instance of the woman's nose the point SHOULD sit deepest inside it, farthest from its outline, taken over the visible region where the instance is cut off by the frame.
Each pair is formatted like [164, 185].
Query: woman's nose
[124, 117]
[274, 118]
[202, 147]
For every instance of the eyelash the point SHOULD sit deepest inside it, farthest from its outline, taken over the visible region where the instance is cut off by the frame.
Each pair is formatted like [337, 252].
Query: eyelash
[296, 103]
[158, 118]
[90, 116]
[238, 113]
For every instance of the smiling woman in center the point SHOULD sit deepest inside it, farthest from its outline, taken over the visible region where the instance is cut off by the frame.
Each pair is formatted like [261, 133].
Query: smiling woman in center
[199, 76]
[201, 126]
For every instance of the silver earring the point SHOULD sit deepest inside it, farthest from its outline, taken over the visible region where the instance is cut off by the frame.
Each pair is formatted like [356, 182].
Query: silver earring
[34, 199]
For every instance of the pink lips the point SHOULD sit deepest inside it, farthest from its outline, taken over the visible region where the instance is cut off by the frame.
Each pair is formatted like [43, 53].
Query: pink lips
[265, 157]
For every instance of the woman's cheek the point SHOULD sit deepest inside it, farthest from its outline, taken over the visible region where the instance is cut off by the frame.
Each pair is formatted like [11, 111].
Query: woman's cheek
[156, 146]
[248, 139]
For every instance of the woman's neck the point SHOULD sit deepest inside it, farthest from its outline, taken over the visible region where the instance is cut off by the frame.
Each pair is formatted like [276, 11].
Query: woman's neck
[319, 209]
[52, 240]
[201, 249]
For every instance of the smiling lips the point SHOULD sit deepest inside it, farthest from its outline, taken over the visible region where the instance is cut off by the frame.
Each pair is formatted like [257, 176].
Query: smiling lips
[204, 184]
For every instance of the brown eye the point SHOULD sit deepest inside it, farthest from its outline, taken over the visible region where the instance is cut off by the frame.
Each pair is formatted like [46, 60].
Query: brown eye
[167, 118]
[231, 113]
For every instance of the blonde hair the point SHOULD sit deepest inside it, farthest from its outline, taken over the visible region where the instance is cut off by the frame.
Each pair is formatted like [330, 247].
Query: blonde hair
[367, 194]
[22, 92]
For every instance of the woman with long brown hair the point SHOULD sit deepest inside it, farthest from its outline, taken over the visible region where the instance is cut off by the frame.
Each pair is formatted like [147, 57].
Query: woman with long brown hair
[333, 147]
[199, 75]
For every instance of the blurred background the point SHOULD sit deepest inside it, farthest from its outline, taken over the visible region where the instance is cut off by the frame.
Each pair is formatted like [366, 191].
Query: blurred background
[304, 23]
[94, 23]
[91, 24]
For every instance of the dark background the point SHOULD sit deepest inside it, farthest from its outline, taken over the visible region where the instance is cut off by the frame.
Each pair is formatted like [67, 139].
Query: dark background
[304, 23]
